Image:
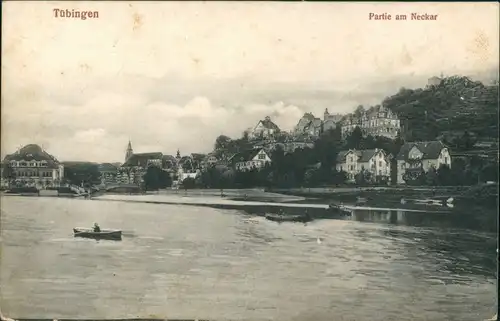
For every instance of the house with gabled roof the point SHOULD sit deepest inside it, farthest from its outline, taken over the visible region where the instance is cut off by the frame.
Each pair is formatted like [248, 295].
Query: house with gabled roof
[264, 128]
[313, 126]
[374, 161]
[250, 159]
[144, 160]
[209, 160]
[31, 165]
[417, 157]
[108, 173]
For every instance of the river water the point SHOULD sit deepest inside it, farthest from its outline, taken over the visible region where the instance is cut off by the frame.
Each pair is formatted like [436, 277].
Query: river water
[178, 261]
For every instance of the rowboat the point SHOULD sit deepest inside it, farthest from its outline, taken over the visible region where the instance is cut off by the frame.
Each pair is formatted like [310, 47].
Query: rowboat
[288, 218]
[339, 209]
[103, 234]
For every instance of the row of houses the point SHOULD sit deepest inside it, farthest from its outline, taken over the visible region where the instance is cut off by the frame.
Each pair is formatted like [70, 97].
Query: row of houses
[33, 166]
[376, 121]
[413, 157]
[411, 160]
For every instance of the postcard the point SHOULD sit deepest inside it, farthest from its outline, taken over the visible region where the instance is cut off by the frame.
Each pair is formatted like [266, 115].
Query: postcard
[254, 161]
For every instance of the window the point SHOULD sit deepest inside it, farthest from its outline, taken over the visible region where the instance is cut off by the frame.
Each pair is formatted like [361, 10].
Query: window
[379, 163]
[446, 159]
[262, 156]
[380, 172]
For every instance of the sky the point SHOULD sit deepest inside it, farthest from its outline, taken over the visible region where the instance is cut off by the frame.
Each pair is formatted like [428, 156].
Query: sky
[171, 76]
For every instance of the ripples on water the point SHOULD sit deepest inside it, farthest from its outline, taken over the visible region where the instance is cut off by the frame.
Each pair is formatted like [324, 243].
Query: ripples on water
[187, 262]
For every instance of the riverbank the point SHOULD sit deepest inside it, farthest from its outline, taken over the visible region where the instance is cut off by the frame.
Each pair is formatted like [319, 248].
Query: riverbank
[483, 195]
[417, 191]
[288, 204]
[251, 194]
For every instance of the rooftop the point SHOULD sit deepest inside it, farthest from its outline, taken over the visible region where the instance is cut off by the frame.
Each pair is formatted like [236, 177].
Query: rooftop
[142, 159]
[32, 152]
[430, 149]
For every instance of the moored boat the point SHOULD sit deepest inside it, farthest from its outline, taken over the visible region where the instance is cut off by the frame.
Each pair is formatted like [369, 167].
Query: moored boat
[102, 234]
[339, 209]
[289, 218]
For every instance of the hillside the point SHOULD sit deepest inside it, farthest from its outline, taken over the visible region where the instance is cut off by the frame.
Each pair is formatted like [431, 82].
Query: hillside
[456, 105]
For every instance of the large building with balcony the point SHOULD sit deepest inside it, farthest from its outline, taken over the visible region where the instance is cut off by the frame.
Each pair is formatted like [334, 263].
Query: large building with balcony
[377, 121]
[31, 166]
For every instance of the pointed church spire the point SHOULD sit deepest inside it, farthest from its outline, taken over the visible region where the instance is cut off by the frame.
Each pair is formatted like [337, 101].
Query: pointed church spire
[130, 151]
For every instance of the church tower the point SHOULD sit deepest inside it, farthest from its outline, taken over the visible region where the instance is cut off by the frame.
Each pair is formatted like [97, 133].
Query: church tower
[326, 114]
[129, 152]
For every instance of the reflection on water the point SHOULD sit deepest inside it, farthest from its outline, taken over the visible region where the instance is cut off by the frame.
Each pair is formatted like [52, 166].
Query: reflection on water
[188, 262]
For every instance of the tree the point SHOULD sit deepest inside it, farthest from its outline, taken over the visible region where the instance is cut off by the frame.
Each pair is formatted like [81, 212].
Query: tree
[354, 139]
[310, 177]
[490, 172]
[222, 142]
[431, 177]
[454, 104]
[152, 178]
[467, 141]
[86, 174]
[414, 177]
[340, 177]
[476, 165]
[8, 173]
[444, 176]
[359, 111]
[363, 177]
[164, 179]
[188, 183]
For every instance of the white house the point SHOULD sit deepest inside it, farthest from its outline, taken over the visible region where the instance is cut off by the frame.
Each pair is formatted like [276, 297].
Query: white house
[210, 160]
[417, 156]
[354, 161]
[264, 129]
[32, 166]
[247, 160]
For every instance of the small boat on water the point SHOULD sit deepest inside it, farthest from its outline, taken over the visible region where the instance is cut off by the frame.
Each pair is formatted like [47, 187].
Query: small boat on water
[361, 200]
[339, 209]
[102, 234]
[289, 218]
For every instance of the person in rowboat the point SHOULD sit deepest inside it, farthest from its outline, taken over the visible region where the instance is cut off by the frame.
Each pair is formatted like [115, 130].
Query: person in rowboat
[96, 227]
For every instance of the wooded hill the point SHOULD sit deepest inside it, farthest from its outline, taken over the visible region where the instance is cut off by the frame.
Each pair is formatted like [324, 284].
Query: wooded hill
[449, 109]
